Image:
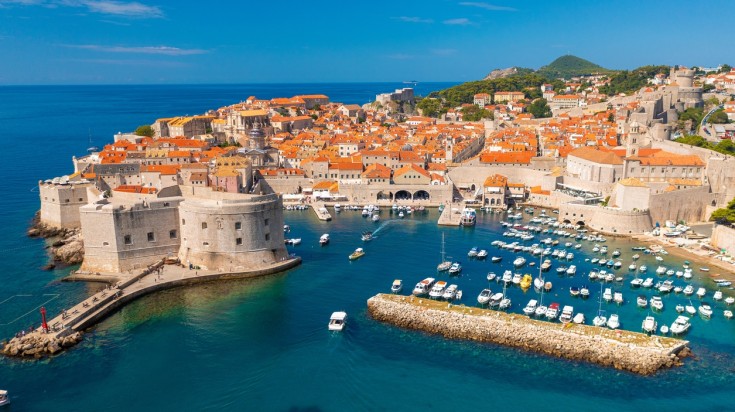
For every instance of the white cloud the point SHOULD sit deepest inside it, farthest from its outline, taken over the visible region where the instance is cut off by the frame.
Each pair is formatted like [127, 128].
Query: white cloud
[108, 7]
[408, 19]
[462, 21]
[162, 50]
[487, 6]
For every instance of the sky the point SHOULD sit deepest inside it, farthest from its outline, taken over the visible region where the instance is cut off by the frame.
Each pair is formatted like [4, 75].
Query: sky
[284, 41]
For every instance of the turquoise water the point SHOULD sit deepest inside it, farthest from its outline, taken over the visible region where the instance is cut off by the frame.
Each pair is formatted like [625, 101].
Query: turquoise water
[263, 344]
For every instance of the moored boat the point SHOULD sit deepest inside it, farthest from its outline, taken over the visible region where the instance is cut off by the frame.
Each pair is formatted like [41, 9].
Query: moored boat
[613, 322]
[438, 289]
[324, 239]
[484, 297]
[423, 287]
[530, 307]
[397, 286]
[450, 292]
[649, 324]
[455, 268]
[358, 253]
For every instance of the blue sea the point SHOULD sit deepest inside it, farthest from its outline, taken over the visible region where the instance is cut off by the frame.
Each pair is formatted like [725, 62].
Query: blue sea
[263, 344]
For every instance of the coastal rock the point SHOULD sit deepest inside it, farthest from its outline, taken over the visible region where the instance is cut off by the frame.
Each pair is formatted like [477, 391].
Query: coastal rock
[71, 252]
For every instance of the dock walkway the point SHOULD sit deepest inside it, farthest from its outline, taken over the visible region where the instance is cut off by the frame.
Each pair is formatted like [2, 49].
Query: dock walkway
[321, 211]
[451, 216]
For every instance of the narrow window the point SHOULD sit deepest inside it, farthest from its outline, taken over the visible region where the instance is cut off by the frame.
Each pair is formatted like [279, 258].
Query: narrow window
[172, 234]
[151, 237]
[267, 237]
[204, 225]
[266, 221]
[128, 240]
[238, 225]
[238, 241]
[183, 222]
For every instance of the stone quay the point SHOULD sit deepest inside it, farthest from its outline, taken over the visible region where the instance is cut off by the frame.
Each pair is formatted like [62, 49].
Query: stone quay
[619, 349]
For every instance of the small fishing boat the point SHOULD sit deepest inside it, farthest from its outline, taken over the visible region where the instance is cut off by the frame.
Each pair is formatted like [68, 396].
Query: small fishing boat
[727, 314]
[519, 262]
[701, 292]
[482, 254]
[397, 286]
[495, 300]
[547, 286]
[704, 269]
[484, 297]
[572, 270]
[718, 295]
[4, 399]
[367, 236]
[688, 290]
[357, 254]
[729, 300]
[337, 321]
[690, 309]
[647, 283]
[664, 329]
[294, 241]
[607, 295]
[649, 324]
[516, 279]
[636, 282]
[642, 301]
[472, 253]
[679, 308]
[618, 298]
[324, 239]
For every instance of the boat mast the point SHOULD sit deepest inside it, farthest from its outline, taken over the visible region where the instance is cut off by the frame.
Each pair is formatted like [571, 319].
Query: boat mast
[542, 280]
[443, 252]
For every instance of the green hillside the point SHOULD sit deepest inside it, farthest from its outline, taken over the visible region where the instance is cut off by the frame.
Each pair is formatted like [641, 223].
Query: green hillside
[571, 66]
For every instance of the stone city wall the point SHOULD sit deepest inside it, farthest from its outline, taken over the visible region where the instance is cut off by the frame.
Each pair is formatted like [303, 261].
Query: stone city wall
[606, 219]
[723, 237]
[689, 205]
[60, 204]
[633, 352]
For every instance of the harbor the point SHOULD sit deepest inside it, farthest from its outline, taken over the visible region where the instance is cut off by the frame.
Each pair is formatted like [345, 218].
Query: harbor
[633, 352]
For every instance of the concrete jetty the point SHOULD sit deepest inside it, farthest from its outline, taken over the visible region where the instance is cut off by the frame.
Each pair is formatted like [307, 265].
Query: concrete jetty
[624, 350]
[321, 211]
[450, 217]
[66, 329]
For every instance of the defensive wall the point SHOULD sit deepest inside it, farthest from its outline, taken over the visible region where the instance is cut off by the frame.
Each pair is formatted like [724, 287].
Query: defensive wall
[60, 203]
[723, 237]
[606, 219]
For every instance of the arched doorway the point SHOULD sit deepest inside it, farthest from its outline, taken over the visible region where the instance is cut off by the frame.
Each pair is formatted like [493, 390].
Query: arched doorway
[403, 195]
[567, 221]
[580, 223]
[421, 195]
[385, 196]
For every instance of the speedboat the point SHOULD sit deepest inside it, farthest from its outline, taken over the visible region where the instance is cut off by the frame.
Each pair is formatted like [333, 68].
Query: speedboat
[647, 283]
[438, 289]
[690, 309]
[600, 320]
[423, 287]
[455, 268]
[553, 311]
[450, 292]
[516, 279]
[540, 310]
[472, 253]
[4, 400]
[530, 307]
[519, 261]
[324, 239]
[504, 303]
[584, 292]
[496, 259]
[681, 325]
[636, 282]
[491, 276]
[566, 314]
[641, 301]
[705, 310]
[649, 324]
[495, 300]
[701, 292]
[367, 236]
[657, 303]
[689, 290]
[613, 322]
[484, 297]
[397, 286]
[482, 254]
[607, 295]
[507, 276]
[337, 321]
[357, 254]
[572, 270]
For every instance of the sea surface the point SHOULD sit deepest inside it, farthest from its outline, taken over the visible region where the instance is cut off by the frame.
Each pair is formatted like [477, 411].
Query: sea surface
[263, 344]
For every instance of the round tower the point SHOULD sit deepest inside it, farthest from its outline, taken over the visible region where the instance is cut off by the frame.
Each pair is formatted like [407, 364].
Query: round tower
[256, 137]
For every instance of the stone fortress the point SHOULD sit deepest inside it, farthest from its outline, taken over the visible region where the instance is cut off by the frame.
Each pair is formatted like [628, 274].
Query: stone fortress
[233, 225]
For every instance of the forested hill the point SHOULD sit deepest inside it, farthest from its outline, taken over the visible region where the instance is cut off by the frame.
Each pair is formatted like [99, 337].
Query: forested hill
[571, 66]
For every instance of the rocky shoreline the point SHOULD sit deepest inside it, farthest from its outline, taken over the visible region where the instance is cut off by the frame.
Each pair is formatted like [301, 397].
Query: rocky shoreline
[623, 350]
[67, 245]
[38, 346]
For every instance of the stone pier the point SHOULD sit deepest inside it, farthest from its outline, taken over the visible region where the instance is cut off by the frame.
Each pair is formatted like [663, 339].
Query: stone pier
[450, 217]
[321, 211]
[624, 350]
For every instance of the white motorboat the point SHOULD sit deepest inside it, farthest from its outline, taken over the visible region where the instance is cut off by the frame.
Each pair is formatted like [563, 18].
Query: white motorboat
[553, 311]
[294, 241]
[680, 326]
[657, 303]
[636, 282]
[517, 279]
[505, 303]
[718, 295]
[423, 287]
[337, 207]
[641, 301]
[613, 322]
[688, 290]
[482, 254]
[600, 320]
[579, 318]
[567, 313]
[495, 299]
[455, 269]
[701, 292]
[508, 277]
[642, 268]
[324, 239]
[397, 286]
[530, 307]
[664, 329]
[705, 310]
[491, 276]
[438, 289]
[649, 324]
[472, 253]
[632, 267]
[4, 399]
[538, 283]
[571, 270]
[337, 321]
[647, 283]
[666, 286]
[618, 298]
[584, 292]
[367, 236]
[376, 217]
[679, 308]
[496, 259]
[607, 295]
[484, 297]
[690, 309]
[519, 261]
[540, 310]
[729, 300]
[450, 292]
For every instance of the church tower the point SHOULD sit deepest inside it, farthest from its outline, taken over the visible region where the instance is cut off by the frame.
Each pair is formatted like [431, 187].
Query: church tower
[632, 143]
[256, 137]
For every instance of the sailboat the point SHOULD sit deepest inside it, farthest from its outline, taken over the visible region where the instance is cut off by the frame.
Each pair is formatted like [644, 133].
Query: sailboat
[445, 264]
[599, 320]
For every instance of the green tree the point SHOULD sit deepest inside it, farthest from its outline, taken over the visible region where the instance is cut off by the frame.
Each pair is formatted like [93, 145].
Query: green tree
[719, 117]
[707, 87]
[693, 116]
[539, 109]
[430, 106]
[724, 215]
[611, 117]
[473, 114]
[724, 68]
[145, 130]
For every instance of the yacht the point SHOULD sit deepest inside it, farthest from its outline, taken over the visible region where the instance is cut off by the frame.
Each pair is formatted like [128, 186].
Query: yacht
[519, 261]
[397, 286]
[530, 307]
[438, 289]
[423, 287]
[642, 301]
[705, 310]
[337, 321]
[649, 324]
[484, 297]
[613, 322]
[455, 268]
[324, 239]
[357, 254]
[566, 314]
[657, 303]
[680, 326]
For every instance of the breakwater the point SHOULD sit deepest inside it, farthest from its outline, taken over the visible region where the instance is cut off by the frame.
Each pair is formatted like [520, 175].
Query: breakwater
[619, 349]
